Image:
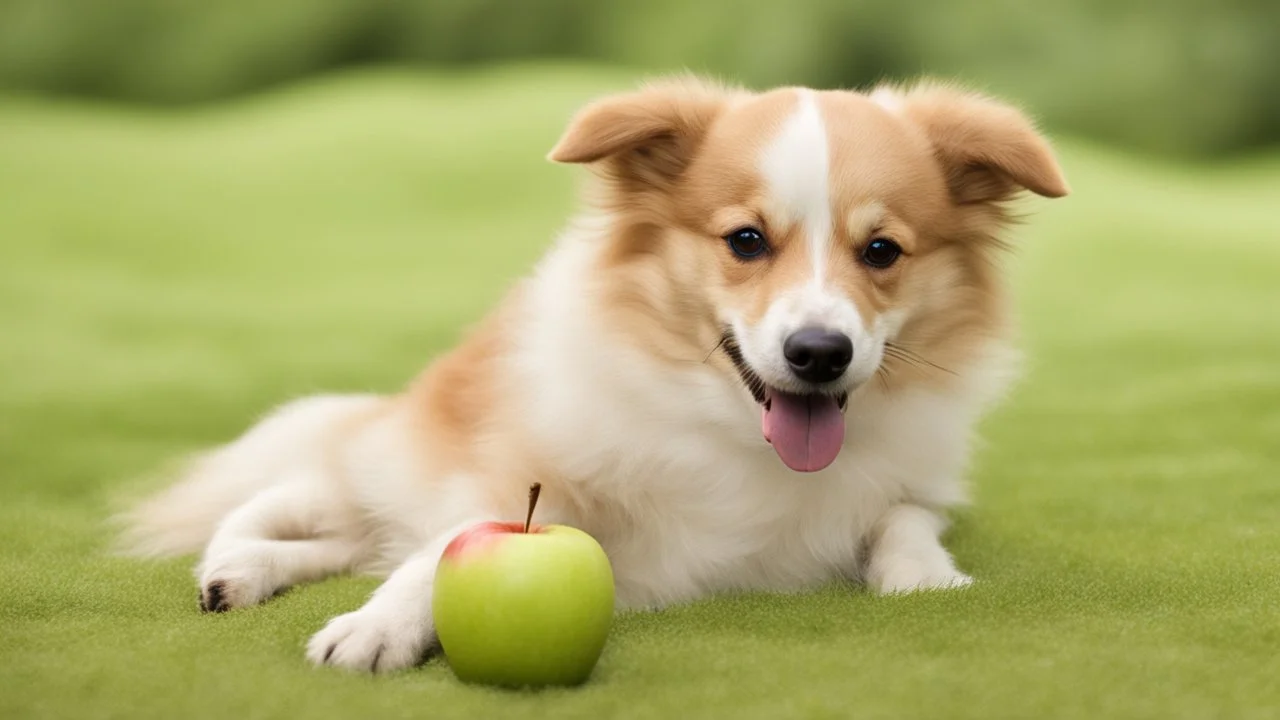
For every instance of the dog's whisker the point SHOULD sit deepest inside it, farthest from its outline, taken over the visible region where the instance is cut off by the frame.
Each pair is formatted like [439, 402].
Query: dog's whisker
[714, 349]
[899, 352]
[883, 374]
[755, 384]
[883, 379]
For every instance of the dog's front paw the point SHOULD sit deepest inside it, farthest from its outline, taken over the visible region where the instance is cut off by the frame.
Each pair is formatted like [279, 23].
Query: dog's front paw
[902, 575]
[370, 640]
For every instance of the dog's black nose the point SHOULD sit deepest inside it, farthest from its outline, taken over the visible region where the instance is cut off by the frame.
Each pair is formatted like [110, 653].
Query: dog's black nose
[818, 355]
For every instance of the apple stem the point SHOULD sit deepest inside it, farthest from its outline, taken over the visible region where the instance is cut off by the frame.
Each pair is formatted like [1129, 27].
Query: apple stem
[534, 490]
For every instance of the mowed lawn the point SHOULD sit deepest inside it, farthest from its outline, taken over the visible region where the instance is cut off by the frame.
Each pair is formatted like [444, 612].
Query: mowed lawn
[166, 276]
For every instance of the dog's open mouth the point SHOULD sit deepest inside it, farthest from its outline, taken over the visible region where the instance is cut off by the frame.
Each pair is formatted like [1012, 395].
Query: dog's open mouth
[805, 429]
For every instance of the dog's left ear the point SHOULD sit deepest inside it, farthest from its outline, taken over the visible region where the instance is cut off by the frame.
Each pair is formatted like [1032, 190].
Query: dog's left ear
[649, 133]
[988, 150]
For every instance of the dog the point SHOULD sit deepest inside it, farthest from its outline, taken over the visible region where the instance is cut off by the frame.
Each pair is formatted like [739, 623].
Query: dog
[752, 362]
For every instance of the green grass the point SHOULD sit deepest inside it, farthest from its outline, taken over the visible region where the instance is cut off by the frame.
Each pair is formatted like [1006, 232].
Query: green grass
[164, 278]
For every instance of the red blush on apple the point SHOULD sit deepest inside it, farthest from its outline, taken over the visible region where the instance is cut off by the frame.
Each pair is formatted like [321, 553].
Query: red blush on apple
[475, 537]
[482, 534]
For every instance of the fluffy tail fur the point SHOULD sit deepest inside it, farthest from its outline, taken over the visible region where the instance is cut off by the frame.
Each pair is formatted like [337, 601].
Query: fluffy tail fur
[182, 518]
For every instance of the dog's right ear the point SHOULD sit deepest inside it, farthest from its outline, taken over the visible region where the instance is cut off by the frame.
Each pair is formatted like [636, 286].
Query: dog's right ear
[654, 130]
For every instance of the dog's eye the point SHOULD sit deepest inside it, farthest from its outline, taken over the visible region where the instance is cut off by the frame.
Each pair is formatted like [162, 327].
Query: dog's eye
[881, 253]
[746, 242]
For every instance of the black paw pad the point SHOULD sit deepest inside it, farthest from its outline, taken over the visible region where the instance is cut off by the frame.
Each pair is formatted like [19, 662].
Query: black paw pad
[212, 600]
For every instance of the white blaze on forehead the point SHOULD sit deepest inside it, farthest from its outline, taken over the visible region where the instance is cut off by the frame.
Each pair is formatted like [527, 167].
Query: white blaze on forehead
[796, 170]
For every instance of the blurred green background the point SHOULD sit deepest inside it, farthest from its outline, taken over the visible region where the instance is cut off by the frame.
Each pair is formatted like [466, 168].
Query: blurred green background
[207, 209]
[1192, 77]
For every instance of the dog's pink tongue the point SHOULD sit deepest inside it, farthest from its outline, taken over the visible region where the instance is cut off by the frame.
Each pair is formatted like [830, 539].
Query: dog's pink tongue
[805, 430]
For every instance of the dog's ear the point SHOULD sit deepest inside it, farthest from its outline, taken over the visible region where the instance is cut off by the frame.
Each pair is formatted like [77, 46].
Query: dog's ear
[989, 150]
[651, 132]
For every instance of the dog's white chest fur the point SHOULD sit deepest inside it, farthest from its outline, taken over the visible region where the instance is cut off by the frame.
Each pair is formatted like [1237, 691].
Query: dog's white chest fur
[731, 528]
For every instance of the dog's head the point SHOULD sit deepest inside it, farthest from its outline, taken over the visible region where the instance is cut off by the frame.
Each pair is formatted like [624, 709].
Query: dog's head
[814, 240]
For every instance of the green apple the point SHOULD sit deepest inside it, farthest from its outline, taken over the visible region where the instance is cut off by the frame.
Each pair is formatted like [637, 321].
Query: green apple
[523, 605]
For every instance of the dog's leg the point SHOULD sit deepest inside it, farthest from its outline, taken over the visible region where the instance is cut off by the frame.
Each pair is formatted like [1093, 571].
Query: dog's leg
[393, 630]
[906, 554]
[270, 543]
